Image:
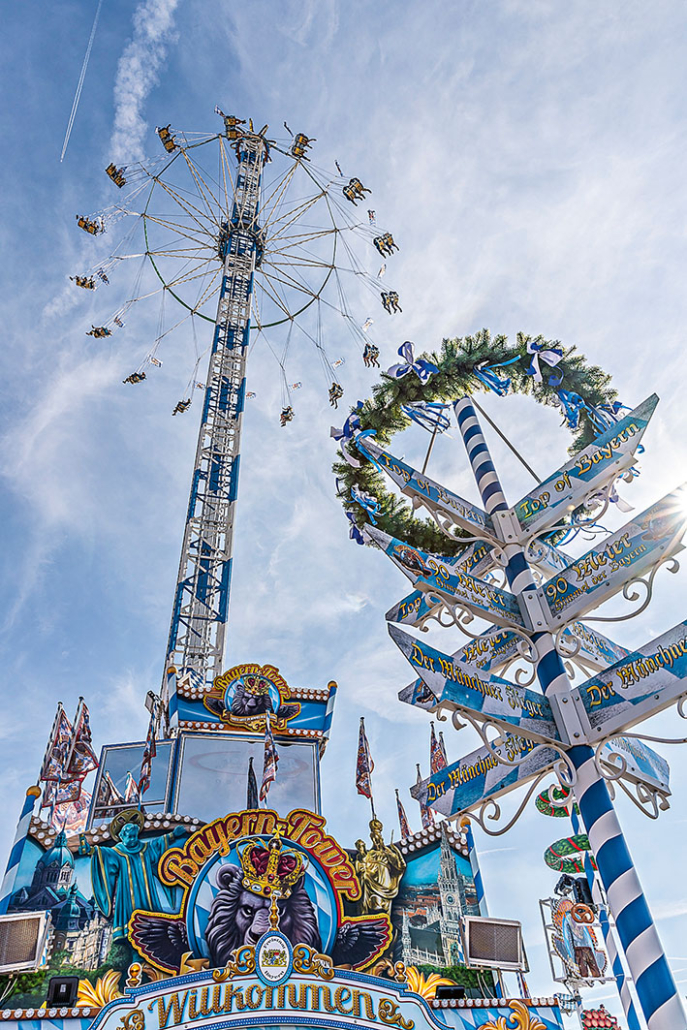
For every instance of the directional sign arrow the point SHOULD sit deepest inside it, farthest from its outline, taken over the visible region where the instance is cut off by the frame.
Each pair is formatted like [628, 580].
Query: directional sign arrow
[433, 495]
[480, 775]
[641, 685]
[642, 763]
[585, 474]
[625, 554]
[415, 609]
[429, 573]
[469, 689]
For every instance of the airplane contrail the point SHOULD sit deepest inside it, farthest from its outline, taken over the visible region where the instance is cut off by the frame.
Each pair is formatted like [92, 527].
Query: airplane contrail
[79, 87]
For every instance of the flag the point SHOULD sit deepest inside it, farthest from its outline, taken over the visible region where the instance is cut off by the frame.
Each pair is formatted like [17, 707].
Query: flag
[364, 766]
[437, 752]
[117, 321]
[250, 395]
[155, 361]
[382, 271]
[402, 819]
[251, 787]
[296, 386]
[372, 217]
[219, 111]
[425, 813]
[109, 799]
[149, 753]
[524, 989]
[367, 323]
[59, 743]
[72, 819]
[55, 793]
[82, 758]
[269, 769]
[339, 362]
[131, 789]
[200, 386]
[338, 167]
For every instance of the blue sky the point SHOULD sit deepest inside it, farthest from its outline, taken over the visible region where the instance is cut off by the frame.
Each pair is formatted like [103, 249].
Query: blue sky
[529, 158]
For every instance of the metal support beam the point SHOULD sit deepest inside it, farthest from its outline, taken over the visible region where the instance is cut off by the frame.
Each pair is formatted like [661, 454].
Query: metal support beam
[201, 602]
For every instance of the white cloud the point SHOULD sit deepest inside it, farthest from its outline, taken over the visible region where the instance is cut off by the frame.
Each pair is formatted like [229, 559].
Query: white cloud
[137, 74]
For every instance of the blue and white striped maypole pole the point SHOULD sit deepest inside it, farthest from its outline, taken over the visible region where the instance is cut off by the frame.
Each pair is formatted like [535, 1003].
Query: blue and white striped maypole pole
[609, 938]
[9, 879]
[649, 968]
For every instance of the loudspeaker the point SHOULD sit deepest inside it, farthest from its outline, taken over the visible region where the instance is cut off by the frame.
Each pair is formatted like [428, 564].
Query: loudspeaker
[62, 991]
[449, 991]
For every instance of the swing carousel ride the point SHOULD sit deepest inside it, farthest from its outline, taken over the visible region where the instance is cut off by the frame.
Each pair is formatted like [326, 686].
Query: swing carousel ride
[307, 238]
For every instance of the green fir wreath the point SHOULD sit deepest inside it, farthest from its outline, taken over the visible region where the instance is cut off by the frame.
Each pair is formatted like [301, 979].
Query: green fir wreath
[457, 361]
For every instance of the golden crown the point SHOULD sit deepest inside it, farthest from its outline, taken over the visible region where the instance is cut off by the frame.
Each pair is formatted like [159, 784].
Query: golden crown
[269, 867]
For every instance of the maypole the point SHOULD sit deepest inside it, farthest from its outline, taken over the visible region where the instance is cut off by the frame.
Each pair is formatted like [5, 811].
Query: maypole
[572, 729]
[201, 602]
[651, 973]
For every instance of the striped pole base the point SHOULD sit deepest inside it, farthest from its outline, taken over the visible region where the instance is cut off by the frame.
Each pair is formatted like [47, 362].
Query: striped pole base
[653, 979]
[609, 937]
[22, 832]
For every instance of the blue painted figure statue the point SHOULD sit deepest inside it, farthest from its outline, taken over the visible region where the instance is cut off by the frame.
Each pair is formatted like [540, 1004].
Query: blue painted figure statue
[125, 876]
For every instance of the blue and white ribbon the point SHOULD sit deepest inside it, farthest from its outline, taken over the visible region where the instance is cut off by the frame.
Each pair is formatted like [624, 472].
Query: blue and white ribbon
[550, 355]
[485, 373]
[430, 415]
[422, 368]
[572, 405]
[353, 531]
[346, 435]
[367, 502]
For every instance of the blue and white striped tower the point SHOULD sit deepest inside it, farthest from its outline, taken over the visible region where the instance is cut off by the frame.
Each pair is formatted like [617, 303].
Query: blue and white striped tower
[22, 832]
[653, 979]
[609, 938]
[201, 601]
[466, 825]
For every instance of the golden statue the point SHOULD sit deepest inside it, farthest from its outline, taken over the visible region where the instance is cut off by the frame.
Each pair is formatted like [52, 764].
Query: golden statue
[379, 870]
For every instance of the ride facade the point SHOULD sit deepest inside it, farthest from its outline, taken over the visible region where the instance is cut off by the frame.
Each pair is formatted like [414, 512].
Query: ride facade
[198, 885]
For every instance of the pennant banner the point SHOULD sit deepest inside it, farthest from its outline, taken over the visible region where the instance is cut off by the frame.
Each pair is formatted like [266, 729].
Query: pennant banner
[625, 554]
[468, 688]
[82, 758]
[402, 819]
[437, 752]
[56, 794]
[59, 745]
[364, 764]
[585, 474]
[269, 769]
